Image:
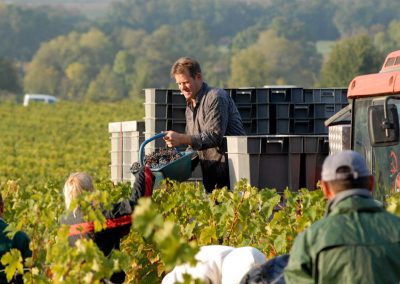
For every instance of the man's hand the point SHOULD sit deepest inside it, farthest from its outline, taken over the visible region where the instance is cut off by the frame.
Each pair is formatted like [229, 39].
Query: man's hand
[173, 139]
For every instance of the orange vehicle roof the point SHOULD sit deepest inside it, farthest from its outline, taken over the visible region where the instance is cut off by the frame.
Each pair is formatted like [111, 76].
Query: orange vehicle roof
[386, 82]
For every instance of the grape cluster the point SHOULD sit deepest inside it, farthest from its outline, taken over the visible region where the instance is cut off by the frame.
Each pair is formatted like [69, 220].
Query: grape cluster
[157, 159]
[161, 157]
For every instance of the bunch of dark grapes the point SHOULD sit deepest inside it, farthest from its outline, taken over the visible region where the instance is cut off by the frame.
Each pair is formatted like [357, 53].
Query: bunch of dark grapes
[157, 159]
[161, 157]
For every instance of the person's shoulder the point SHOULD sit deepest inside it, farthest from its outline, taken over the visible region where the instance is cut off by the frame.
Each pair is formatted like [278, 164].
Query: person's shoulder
[215, 92]
[21, 235]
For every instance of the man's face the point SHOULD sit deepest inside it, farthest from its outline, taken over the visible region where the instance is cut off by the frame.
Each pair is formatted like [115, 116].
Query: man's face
[189, 86]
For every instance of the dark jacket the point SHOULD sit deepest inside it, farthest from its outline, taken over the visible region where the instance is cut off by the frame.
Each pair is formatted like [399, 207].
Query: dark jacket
[214, 117]
[20, 241]
[358, 242]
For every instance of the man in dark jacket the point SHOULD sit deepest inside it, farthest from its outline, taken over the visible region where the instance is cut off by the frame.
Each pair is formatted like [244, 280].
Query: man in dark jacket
[357, 241]
[210, 114]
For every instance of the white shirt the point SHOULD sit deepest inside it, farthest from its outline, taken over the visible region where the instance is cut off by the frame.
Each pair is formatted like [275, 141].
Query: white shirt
[217, 264]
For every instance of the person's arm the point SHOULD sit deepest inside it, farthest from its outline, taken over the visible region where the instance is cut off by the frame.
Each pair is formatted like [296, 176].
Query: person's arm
[299, 268]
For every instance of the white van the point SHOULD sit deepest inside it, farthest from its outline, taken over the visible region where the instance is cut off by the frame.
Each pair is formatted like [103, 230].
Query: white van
[47, 99]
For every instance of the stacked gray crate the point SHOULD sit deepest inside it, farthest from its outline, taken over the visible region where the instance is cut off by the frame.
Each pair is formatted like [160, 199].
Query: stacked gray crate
[277, 161]
[164, 110]
[126, 137]
[265, 111]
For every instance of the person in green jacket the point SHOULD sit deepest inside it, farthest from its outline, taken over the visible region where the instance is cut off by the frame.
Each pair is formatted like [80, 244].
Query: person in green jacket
[357, 241]
[20, 241]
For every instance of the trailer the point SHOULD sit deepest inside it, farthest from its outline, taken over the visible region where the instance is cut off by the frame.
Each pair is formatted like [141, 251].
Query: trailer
[374, 123]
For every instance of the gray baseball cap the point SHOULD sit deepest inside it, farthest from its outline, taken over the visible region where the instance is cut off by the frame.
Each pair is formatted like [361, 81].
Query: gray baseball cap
[353, 161]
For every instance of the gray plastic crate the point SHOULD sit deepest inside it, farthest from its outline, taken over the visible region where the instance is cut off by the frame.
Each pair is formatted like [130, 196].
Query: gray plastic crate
[262, 110]
[125, 126]
[262, 95]
[313, 166]
[245, 111]
[156, 110]
[301, 111]
[270, 161]
[121, 173]
[256, 127]
[283, 126]
[279, 95]
[302, 126]
[164, 96]
[316, 144]
[128, 141]
[327, 95]
[178, 112]
[297, 95]
[308, 95]
[157, 125]
[242, 96]
[257, 169]
[277, 161]
[322, 110]
[125, 137]
[177, 98]
[262, 127]
[259, 144]
[282, 110]
[156, 96]
[319, 127]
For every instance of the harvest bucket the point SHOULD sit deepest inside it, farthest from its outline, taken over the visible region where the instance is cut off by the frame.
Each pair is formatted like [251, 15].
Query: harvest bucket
[179, 169]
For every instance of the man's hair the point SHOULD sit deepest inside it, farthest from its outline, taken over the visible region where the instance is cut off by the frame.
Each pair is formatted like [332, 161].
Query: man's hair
[75, 185]
[184, 64]
[348, 183]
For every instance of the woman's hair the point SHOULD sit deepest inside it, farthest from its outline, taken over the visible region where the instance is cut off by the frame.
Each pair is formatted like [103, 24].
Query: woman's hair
[184, 64]
[75, 185]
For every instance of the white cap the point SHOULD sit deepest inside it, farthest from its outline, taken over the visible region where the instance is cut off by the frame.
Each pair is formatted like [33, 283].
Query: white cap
[238, 262]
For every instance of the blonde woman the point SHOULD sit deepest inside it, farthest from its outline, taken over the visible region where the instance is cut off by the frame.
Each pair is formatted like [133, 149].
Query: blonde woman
[118, 219]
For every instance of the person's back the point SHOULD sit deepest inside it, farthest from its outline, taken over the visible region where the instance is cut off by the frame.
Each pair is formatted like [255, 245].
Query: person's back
[357, 242]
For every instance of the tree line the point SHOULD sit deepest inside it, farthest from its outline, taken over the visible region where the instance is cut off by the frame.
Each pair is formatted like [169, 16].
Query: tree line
[238, 43]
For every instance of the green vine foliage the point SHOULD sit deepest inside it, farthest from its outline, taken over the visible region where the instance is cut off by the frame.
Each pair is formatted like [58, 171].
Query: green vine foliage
[41, 146]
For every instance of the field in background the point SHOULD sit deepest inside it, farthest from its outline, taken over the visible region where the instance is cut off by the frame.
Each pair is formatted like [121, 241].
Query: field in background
[47, 142]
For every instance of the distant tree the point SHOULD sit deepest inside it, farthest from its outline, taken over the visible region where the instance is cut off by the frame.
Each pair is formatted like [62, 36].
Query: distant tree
[223, 18]
[389, 39]
[157, 52]
[106, 87]
[275, 60]
[246, 37]
[309, 20]
[22, 30]
[350, 57]
[9, 83]
[353, 16]
[65, 66]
